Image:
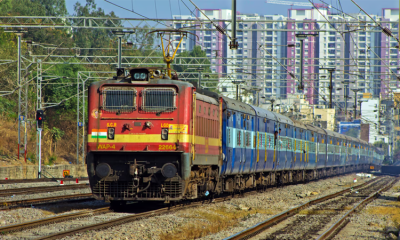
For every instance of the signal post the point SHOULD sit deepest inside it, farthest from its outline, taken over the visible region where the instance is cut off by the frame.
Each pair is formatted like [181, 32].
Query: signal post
[39, 121]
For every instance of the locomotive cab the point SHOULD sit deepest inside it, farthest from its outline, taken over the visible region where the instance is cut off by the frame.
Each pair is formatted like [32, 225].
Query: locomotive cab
[138, 141]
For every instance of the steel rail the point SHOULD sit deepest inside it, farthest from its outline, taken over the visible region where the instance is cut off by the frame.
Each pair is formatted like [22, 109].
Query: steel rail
[59, 218]
[259, 227]
[33, 190]
[36, 180]
[28, 202]
[335, 228]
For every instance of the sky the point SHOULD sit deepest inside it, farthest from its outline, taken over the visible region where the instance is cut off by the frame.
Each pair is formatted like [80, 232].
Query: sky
[164, 8]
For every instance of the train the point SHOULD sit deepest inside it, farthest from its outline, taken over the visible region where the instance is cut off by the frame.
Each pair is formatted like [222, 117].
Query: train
[152, 137]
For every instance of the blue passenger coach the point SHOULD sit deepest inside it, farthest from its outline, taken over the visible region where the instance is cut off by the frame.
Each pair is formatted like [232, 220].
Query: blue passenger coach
[261, 147]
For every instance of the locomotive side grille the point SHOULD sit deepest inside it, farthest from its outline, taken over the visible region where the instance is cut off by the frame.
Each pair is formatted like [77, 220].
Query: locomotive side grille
[119, 99]
[124, 189]
[159, 100]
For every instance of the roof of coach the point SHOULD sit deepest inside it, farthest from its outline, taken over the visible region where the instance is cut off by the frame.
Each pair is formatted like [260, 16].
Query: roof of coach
[206, 99]
[315, 129]
[353, 139]
[335, 134]
[238, 106]
[261, 112]
[299, 124]
[282, 119]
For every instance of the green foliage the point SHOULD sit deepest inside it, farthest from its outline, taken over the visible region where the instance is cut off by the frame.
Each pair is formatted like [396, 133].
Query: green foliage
[52, 159]
[92, 38]
[56, 93]
[56, 133]
[53, 7]
[353, 133]
[381, 144]
[8, 107]
[196, 52]
[384, 146]
[32, 157]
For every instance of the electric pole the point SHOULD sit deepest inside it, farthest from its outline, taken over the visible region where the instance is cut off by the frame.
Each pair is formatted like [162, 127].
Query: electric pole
[233, 44]
[237, 83]
[302, 37]
[272, 104]
[355, 102]
[330, 70]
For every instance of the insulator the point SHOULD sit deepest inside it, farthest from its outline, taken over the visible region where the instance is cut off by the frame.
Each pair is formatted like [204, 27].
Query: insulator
[387, 31]
[220, 29]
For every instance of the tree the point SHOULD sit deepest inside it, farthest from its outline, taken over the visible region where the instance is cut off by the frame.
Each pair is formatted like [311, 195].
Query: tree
[196, 53]
[92, 38]
[53, 7]
[353, 132]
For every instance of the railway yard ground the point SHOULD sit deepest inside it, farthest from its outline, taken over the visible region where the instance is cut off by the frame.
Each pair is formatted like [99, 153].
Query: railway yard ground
[208, 221]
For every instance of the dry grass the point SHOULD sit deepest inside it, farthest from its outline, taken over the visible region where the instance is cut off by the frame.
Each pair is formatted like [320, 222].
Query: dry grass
[205, 223]
[66, 149]
[390, 212]
[317, 212]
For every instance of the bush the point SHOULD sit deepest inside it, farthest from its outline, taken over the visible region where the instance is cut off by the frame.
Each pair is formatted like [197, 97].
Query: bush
[32, 157]
[52, 159]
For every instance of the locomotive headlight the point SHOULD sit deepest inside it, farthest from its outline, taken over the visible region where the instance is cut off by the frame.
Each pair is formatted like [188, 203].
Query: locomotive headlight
[111, 133]
[164, 134]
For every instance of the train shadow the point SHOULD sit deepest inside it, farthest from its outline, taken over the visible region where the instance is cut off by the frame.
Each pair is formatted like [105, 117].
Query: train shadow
[70, 206]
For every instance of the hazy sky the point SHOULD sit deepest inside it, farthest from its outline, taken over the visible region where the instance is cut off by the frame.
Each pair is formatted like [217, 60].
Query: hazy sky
[163, 8]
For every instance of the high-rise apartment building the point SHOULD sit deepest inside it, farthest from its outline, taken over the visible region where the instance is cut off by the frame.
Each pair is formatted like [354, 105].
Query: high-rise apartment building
[363, 56]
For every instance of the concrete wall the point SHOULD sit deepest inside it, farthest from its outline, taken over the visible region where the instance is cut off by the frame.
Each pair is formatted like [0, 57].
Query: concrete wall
[31, 171]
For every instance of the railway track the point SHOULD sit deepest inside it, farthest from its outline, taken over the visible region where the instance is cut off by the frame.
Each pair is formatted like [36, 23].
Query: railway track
[143, 215]
[130, 218]
[49, 220]
[339, 224]
[46, 200]
[39, 180]
[117, 221]
[306, 221]
[33, 190]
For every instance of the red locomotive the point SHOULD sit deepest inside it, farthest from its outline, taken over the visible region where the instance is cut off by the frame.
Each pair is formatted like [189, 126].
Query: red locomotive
[140, 134]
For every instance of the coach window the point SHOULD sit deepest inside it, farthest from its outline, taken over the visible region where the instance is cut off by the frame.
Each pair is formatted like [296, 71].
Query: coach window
[209, 111]
[199, 108]
[205, 109]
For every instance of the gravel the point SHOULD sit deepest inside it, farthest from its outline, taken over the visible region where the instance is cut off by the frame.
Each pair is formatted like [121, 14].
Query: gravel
[220, 220]
[38, 184]
[19, 215]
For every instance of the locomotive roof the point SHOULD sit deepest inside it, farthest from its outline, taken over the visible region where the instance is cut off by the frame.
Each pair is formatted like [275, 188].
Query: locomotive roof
[180, 84]
[238, 106]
